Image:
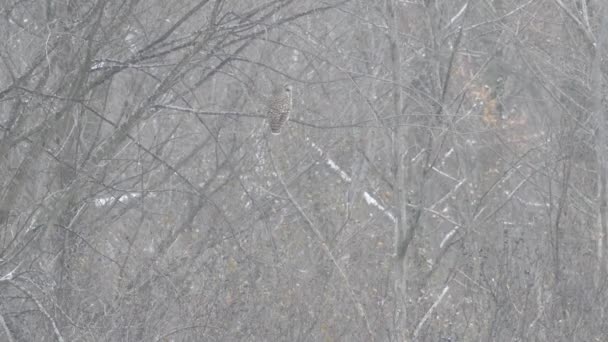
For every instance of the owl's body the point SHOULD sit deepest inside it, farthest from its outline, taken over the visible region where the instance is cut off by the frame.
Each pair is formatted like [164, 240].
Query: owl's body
[279, 108]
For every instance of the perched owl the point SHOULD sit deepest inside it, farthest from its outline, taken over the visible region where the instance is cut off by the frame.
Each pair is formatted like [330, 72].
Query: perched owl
[279, 108]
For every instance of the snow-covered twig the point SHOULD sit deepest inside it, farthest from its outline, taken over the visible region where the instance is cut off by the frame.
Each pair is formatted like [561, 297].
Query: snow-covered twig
[428, 313]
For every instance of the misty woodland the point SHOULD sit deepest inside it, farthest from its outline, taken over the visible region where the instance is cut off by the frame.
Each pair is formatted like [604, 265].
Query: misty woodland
[304, 170]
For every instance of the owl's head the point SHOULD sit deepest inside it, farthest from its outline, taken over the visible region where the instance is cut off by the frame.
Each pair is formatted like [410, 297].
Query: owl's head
[287, 88]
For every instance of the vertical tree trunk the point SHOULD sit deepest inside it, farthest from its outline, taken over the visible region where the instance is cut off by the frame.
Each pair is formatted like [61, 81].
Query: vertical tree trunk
[601, 150]
[400, 248]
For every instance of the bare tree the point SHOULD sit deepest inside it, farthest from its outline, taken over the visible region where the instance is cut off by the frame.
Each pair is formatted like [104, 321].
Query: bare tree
[441, 177]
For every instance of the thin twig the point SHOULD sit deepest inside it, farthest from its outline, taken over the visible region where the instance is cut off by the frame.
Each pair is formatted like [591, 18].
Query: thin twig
[428, 313]
[7, 331]
[315, 231]
[41, 308]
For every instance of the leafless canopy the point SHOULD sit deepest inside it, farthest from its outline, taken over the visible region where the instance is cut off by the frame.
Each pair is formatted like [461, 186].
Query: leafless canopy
[442, 175]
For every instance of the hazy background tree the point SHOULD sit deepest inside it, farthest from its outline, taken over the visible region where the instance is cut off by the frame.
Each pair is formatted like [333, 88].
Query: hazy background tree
[442, 177]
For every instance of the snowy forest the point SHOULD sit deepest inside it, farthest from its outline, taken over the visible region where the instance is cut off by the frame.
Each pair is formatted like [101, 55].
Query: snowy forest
[442, 176]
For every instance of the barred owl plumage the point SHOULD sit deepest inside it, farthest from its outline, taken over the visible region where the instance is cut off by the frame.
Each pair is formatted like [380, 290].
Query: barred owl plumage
[279, 108]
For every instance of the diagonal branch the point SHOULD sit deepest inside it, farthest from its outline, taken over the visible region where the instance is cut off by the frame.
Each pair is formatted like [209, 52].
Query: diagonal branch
[41, 308]
[428, 313]
[315, 231]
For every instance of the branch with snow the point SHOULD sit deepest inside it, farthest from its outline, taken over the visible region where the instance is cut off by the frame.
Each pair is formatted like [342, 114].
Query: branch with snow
[369, 198]
[428, 313]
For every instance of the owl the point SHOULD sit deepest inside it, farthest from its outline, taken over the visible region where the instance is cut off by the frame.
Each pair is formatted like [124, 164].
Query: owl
[279, 108]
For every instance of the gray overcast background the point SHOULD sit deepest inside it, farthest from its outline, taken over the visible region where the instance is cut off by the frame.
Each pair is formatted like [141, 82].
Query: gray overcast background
[443, 176]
